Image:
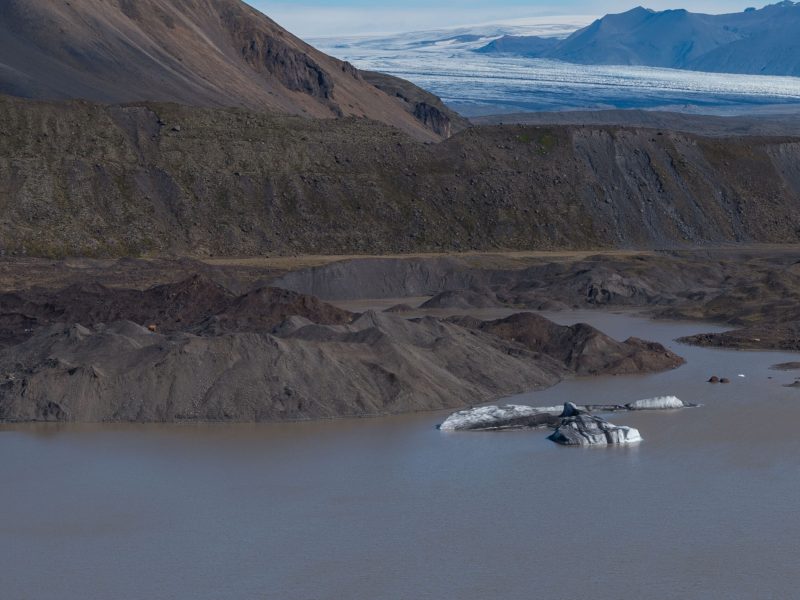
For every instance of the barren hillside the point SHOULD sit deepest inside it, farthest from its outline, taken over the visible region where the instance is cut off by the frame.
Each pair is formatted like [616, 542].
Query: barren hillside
[194, 52]
[86, 179]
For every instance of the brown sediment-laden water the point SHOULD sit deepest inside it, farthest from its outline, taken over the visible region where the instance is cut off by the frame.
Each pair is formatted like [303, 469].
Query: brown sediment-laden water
[704, 507]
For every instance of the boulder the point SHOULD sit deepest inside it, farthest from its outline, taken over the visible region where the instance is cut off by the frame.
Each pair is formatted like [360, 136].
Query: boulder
[587, 430]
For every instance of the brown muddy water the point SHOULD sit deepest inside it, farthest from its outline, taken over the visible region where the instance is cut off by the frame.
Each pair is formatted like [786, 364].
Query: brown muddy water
[705, 507]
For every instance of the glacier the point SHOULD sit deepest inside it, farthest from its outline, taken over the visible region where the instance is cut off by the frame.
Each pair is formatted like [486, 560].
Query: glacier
[444, 62]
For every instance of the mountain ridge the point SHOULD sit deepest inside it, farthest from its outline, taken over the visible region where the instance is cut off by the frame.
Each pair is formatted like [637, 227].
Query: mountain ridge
[211, 53]
[756, 41]
[97, 180]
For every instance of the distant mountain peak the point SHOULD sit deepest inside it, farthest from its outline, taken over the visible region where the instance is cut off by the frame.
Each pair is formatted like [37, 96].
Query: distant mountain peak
[757, 41]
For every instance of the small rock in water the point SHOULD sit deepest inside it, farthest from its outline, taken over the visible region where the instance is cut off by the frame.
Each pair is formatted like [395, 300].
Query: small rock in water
[714, 379]
[724, 380]
[587, 430]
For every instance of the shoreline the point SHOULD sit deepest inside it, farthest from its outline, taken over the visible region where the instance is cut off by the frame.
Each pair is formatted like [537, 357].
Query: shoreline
[635, 314]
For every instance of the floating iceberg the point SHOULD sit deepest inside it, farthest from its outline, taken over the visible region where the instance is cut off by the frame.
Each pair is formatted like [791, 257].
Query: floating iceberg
[574, 424]
[587, 430]
[660, 403]
[501, 417]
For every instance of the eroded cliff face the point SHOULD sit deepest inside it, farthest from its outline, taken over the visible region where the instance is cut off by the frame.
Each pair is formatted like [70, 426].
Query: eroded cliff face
[433, 118]
[88, 179]
[424, 106]
[296, 71]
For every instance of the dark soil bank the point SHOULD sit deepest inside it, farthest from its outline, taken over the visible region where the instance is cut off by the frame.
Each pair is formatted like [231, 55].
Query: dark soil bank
[757, 292]
[194, 351]
[246, 343]
[87, 179]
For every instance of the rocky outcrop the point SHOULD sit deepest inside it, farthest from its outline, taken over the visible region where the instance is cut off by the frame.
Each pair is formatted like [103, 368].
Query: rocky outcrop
[296, 70]
[433, 118]
[588, 430]
[426, 107]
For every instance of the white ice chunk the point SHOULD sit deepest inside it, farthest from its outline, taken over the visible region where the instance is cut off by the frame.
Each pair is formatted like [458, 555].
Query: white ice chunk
[487, 417]
[659, 403]
[586, 430]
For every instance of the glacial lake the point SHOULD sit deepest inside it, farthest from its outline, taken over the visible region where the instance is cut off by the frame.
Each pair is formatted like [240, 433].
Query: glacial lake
[705, 507]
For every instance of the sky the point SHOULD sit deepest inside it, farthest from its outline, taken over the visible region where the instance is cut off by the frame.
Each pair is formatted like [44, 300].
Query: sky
[318, 18]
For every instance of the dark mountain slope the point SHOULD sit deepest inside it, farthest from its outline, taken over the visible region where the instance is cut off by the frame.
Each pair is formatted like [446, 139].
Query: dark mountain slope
[195, 52]
[82, 179]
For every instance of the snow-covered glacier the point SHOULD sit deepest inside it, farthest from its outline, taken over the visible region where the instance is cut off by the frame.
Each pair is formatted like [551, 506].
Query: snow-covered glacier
[445, 63]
